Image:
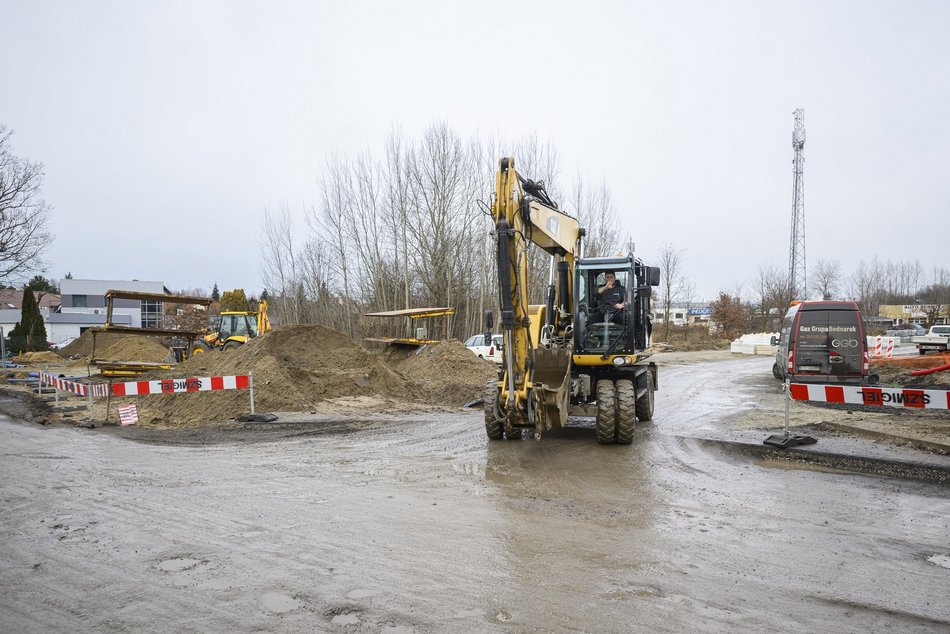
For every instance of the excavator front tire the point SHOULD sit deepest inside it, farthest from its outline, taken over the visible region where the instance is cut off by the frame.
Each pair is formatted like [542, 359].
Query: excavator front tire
[199, 347]
[232, 345]
[606, 412]
[493, 427]
[626, 410]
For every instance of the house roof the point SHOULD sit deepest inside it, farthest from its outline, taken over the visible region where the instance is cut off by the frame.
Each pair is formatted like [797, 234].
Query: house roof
[12, 298]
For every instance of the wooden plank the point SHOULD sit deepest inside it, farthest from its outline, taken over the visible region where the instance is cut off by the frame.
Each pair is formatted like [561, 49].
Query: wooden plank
[414, 313]
[158, 297]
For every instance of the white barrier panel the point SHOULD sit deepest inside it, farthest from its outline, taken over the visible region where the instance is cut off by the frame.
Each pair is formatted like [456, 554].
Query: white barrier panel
[878, 396]
[881, 346]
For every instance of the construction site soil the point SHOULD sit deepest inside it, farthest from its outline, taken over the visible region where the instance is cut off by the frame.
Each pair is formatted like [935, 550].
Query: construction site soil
[307, 368]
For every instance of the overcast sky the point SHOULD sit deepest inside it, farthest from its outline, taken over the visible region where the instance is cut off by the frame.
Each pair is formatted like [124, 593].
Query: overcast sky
[167, 128]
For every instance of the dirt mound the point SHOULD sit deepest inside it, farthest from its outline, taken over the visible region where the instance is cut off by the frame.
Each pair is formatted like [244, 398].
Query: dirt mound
[135, 348]
[896, 371]
[448, 372]
[296, 368]
[82, 345]
[35, 358]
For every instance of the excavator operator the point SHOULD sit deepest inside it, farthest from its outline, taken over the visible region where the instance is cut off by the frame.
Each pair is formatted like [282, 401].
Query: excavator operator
[610, 302]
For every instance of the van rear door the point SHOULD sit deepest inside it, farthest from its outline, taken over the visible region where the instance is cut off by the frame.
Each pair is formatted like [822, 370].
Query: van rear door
[829, 342]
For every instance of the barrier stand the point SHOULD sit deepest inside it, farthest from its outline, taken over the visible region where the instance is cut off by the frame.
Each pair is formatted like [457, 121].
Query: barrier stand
[787, 440]
[254, 417]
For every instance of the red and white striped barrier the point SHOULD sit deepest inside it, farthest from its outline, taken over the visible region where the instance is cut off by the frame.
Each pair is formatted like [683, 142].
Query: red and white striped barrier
[80, 389]
[855, 395]
[881, 346]
[175, 386]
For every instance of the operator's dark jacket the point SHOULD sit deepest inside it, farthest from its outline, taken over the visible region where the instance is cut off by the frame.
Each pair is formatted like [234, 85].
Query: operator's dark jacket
[611, 296]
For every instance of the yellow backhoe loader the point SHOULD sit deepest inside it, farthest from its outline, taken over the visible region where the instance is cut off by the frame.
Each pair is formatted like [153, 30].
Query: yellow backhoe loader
[234, 329]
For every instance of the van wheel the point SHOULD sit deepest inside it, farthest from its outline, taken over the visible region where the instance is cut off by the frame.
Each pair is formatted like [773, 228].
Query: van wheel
[777, 371]
[626, 411]
[606, 412]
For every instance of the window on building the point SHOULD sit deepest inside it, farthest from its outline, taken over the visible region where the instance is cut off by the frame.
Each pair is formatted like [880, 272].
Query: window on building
[151, 314]
[80, 301]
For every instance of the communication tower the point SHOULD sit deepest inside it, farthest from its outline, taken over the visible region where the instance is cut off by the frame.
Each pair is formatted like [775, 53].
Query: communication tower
[796, 252]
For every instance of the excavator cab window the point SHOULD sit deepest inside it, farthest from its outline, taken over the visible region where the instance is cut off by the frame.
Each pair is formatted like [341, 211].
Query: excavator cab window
[226, 328]
[240, 325]
[597, 334]
[252, 325]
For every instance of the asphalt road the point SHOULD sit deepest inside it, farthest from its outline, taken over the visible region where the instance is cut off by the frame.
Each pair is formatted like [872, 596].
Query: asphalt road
[419, 524]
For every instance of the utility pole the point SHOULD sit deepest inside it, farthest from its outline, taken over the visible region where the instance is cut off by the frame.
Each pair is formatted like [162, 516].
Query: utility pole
[797, 283]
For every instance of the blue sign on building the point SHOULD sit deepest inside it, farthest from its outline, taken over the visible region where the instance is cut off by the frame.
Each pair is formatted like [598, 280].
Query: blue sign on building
[700, 311]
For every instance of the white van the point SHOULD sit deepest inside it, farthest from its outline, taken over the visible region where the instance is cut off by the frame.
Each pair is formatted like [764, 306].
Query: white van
[492, 351]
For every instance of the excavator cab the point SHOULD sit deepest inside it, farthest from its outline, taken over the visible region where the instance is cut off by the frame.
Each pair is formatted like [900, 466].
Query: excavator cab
[601, 327]
[607, 331]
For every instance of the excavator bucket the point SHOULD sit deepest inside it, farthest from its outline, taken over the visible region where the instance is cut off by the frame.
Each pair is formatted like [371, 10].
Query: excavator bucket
[551, 381]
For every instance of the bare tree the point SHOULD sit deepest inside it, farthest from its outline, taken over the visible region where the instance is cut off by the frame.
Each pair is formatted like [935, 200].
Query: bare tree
[595, 212]
[279, 264]
[826, 277]
[689, 299]
[23, 214]
[866, 286]
[937, 295]
[774, 295]
[672, 278]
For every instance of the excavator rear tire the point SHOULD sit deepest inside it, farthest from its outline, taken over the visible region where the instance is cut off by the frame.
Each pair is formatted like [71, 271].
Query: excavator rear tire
[232, 345]
[493, 427]
[199, 347]
[606, 412]
[645, 402]
[626, 411]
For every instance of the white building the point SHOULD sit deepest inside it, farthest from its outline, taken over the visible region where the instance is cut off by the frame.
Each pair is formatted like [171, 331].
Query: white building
[681, 313]
[83, 306]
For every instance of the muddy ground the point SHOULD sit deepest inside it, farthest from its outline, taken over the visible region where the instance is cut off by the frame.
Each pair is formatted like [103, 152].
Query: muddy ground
[416, 523]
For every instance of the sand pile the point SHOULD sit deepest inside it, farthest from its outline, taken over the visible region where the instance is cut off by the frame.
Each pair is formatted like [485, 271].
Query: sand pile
[447, 372]
[298, 367]
[135, 348]
[295, 367]
[36, 358]
[82, 345]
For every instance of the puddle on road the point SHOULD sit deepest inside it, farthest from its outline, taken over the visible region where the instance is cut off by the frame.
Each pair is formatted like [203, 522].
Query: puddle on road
[279, 602]
[941, 560]
[177, 564]
[346, 619]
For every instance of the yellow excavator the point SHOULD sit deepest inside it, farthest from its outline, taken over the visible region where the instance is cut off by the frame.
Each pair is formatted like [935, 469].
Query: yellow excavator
[234, 329]
[573, 355]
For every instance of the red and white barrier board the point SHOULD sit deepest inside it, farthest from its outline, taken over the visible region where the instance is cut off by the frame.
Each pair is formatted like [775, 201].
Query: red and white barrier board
[881, 396]
[137, 388]
[175, 386]
[80, 389]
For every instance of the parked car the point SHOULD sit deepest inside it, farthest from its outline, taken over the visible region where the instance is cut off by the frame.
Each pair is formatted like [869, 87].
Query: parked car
[492, 351]
[906, 330]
